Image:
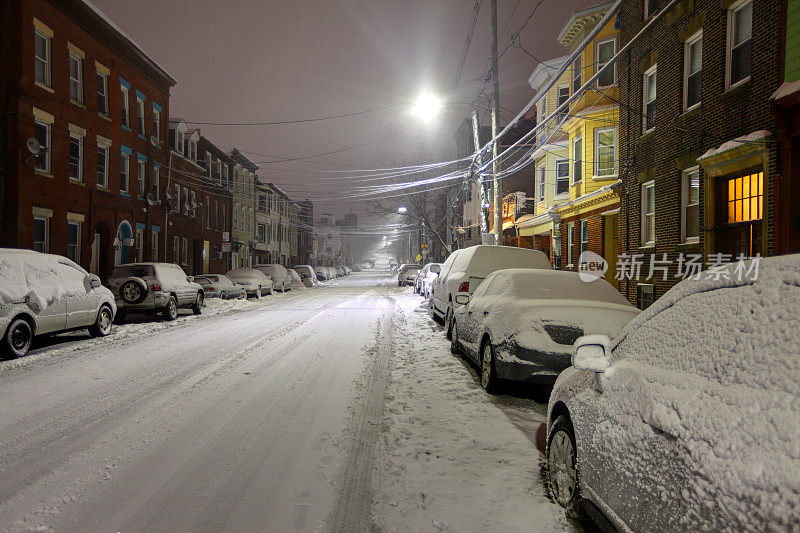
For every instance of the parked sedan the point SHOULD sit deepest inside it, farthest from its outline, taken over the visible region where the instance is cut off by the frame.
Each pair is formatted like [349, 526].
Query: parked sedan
[425, 277]
[281, 280]
[154, 288]
[254, 281]
[688, 420]
[321, 273]
[520, 323]
[44, 293]
[307, 275]
[219, 286]
[403, 277]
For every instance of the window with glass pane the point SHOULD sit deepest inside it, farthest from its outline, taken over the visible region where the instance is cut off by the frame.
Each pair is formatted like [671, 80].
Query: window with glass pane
[76, 78]
[125, 112]
[577, 160]
[605, 51]
[102, 93]
[577, 70]
[606, 152]
[563, 96]
[140, 176]
[741, 20]
[140, 112]
[154, 248]
[124, 180]
[648, 213]
[40, 234]
[73, 240]
[645, 296]
[42, 57]
[584, 235]
[103, 151]
[570, 231]
[156, 183]
[694, 70]
[691, 204]
[562, 176]
[43, 137]
[75, 157]
[650, 99]
[176, 245]
[157, 125]
[745, 197]
[185, 250]
[541, 184]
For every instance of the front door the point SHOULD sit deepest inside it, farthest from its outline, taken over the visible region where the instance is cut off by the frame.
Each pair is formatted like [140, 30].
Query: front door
[611, 247]
[739, 215]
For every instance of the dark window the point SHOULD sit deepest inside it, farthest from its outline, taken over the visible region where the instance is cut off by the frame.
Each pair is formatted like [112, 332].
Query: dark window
[645, 296]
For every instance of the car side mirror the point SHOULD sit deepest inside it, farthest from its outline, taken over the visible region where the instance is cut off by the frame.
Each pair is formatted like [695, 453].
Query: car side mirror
[591, 352]
[462, 299]
[94, 281]
[190, 278]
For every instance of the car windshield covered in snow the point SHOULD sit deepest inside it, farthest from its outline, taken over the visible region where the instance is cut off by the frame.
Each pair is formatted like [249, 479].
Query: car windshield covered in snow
[549, 285]
[138, 271]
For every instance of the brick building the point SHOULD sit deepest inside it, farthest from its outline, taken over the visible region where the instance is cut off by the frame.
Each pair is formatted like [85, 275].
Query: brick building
[699, 174]
[305, 232]
[218, 203]
[95, 106]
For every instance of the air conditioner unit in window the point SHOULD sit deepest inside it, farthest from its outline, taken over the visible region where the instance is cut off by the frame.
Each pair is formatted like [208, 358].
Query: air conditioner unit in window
[218, 255]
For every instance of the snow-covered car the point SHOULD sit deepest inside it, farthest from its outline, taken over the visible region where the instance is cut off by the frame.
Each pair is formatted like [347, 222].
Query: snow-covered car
[297, 280]
[520, 323]
[219, 286]
[281, 281]
[154, 288]
[340, 271]
[403, 278]
[332, 273]
[356, 268]
[307, 275]
[688, 420]
[46, 293]
[466, 268]
[254, 282]
[321, 273]
[425, 277]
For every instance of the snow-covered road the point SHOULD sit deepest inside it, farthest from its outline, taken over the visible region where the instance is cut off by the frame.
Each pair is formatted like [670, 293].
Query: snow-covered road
[338, 408]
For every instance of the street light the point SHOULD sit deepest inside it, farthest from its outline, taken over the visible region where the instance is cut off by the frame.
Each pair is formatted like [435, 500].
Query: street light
[402, 210]
[427, 106]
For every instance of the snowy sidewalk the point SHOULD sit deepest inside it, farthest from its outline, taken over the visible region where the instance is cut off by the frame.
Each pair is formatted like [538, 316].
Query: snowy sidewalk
[450, 458]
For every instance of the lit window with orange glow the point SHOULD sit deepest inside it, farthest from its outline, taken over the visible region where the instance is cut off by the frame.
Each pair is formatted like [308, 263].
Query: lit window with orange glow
[745, 197]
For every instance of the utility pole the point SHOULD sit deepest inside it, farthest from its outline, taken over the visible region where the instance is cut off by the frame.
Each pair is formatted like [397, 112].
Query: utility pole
[498, 223]
[481, 188]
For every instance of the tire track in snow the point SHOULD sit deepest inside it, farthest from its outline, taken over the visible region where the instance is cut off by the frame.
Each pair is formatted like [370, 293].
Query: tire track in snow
[353, 508]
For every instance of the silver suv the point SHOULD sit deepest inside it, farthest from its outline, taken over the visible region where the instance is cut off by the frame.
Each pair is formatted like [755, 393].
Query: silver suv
[154, 287]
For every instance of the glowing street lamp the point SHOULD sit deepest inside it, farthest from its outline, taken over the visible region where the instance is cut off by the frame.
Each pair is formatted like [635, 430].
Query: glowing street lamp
[427, 106]
[402, 210]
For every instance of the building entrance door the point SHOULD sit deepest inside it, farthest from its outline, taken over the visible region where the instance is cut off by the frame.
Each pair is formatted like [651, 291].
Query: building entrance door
[611, 247]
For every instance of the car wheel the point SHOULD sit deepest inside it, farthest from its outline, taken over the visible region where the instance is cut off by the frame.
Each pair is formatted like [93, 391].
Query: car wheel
[454, 347]
[223, 295]
[197, 308]
[171, 310]
[258, 292]
[19, 337]
[133, 291]
[563, 477]
[102, 324]
[488, 372]
[448, 323]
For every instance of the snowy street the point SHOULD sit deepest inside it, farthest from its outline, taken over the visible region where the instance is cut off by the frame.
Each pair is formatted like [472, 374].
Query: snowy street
[337, 408]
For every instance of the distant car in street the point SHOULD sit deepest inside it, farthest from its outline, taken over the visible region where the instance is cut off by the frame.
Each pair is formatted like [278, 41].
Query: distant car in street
[219, 286]
[425, 277]
[254, 282]
[687, 420]
[466, 268]
[281, 281]
[297, 280]
[46, 293]
[520, 323]
[154, 288]
[406, 274]
[306, 273]
[321, 273]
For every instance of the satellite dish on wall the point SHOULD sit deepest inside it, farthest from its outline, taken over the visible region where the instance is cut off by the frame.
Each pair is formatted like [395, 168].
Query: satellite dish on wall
[151, 200]
[168, 193]
[33, 146]
[154, 140]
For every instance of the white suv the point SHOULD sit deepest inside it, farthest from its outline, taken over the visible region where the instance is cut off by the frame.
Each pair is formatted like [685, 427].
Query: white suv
[154, 287]
[466, 268]
[44, 293]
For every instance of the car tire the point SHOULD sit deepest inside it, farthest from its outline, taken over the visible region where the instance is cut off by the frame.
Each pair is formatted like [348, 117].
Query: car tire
[258, 292]
[488, 372]
[197, 308]
[563, 475]
[18, 338]
[171, 310]
[454, 346]
[102, 324]
[133, 291]
[448, 323]
[223, 295]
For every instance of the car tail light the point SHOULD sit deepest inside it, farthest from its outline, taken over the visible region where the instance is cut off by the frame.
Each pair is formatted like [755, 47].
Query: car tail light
[211, 288]
[464, 286]
[156, 287]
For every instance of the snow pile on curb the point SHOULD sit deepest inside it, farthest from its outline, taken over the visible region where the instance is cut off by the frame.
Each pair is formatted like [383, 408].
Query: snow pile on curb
[450, 460]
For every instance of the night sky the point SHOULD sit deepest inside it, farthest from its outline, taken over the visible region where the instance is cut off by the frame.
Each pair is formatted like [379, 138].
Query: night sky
[256, 60]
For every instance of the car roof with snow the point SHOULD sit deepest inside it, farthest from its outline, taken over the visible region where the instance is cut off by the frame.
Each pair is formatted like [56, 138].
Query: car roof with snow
[537, 283]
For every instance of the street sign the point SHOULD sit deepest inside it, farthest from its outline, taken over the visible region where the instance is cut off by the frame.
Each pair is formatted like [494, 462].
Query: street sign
[419, 257]
[424, 246]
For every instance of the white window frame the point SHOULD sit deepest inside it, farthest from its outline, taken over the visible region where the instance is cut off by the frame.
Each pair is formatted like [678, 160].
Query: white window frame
[184, 251]
[141, 178]
[652, 71]
[687, 64]
[48, 149]
[541, 176]
[584, 229]
[74, 135]
[729, 44]
[46, 243]
[139, 243]
[125, 173]
[192, 203]
[102, 76]
[649, 185]
[686, 176]
[141, 126]
[106, 146]
[48, 39]
[599, 65]
[563, 162]
[179, 140]
[157, 124]
[570, 243]
[561, 99]
[647, 13]
[577, 159]
[77, 244]
[615, 169]
[125, 106]
[78, 82]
